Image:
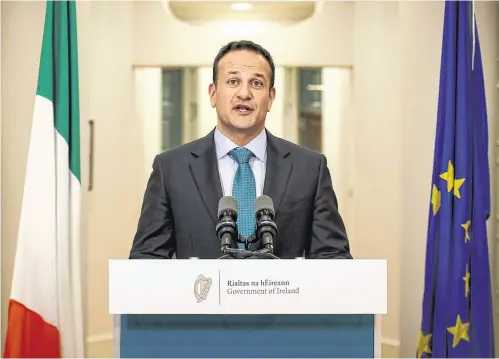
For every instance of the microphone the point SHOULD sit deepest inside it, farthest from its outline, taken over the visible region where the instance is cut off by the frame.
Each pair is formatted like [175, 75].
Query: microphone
[266, 228]
[227, 221]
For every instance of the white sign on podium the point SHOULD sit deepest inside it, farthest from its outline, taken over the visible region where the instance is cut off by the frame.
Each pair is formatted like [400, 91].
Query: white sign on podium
[247, 286]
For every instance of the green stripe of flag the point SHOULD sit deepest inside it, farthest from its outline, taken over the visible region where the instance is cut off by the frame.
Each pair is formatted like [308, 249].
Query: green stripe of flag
[58, 76]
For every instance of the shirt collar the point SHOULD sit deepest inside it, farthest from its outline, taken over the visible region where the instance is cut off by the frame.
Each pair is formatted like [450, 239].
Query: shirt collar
[224, 145]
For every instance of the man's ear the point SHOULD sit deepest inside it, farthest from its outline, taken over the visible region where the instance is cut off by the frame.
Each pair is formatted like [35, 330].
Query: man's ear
[271, 98]
[212, 90]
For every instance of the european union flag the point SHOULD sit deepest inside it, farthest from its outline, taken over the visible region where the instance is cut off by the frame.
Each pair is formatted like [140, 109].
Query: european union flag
[457, 304]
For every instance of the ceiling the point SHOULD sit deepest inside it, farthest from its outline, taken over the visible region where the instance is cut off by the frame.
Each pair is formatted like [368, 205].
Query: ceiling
[282, 11]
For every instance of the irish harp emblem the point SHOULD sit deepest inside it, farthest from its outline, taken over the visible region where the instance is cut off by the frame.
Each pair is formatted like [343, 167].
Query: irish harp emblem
[201, 288]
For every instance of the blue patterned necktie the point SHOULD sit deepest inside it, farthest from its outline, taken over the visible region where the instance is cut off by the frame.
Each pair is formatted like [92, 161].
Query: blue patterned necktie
[244, 191]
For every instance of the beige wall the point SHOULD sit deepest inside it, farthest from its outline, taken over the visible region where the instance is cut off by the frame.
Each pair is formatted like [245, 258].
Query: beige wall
[378, 157]
[395, 60]
[113, 205]
[199, 44]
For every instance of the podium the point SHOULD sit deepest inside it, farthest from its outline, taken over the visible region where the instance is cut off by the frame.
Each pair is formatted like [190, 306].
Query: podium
[247, 309]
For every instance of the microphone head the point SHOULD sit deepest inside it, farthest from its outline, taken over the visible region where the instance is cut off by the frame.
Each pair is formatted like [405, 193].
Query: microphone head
[264, 203]
[227, 203]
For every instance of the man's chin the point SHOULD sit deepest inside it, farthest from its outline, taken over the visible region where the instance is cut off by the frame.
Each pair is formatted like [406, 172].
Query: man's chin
[243, 125]
[246, 126]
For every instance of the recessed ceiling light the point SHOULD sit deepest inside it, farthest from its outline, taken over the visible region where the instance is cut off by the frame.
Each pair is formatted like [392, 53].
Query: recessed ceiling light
[240, 6]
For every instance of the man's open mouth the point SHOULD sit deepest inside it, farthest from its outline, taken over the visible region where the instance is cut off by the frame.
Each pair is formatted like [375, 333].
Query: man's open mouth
[242, 108]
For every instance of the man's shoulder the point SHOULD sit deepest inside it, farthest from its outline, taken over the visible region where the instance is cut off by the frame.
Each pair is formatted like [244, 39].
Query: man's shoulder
[302, 153]
[183, 152]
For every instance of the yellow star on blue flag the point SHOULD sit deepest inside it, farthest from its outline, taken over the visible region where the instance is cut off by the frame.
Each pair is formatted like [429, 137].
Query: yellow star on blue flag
[457, 301]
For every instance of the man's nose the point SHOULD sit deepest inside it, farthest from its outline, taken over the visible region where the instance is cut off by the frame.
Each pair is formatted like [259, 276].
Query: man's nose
[244, 92]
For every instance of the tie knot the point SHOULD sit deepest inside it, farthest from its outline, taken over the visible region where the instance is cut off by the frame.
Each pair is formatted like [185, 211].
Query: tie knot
[241, 155]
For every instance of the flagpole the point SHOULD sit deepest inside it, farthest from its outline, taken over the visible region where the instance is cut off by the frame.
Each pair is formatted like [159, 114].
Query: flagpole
[473, 19]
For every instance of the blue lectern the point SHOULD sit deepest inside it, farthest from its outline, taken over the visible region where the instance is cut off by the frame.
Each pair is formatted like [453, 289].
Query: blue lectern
[247, 309]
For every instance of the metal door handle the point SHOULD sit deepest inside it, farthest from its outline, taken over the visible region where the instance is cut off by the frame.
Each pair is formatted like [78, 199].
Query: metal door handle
[91, 158]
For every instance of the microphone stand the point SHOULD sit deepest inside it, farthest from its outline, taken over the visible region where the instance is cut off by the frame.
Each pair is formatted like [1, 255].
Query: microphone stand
[238, 253]
[265, 254]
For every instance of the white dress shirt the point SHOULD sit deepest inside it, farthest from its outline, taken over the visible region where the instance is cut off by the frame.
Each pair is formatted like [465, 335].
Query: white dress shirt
[227, 166]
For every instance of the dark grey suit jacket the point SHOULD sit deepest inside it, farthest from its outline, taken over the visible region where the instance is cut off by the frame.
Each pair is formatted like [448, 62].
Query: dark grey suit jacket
[179, 210]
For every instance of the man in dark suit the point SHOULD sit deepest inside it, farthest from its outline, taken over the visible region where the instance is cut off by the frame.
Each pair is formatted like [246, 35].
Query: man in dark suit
[240, 158]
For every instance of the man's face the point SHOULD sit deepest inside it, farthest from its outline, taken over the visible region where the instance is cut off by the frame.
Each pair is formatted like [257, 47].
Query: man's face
[242, 95]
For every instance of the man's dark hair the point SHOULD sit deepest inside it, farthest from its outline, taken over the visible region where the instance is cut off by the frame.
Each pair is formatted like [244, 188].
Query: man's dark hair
[244, 45]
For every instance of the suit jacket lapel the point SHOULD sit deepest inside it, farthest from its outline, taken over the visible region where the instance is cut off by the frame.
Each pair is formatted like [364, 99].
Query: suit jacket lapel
[278, 171]
[204, 169]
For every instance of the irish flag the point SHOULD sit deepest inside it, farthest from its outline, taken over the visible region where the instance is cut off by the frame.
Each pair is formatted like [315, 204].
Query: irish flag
[45, 311]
